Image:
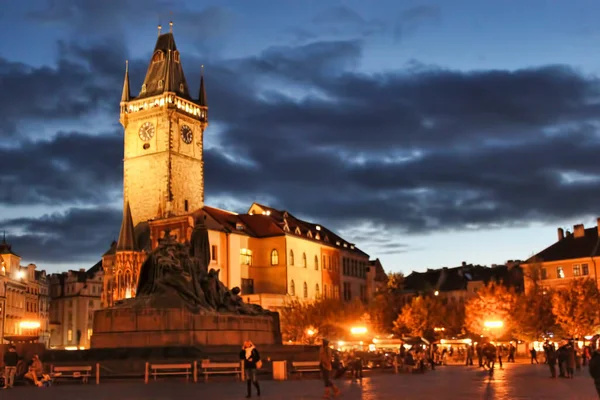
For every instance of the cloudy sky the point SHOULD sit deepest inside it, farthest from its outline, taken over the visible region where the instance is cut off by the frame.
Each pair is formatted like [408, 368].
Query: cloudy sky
[426, 132]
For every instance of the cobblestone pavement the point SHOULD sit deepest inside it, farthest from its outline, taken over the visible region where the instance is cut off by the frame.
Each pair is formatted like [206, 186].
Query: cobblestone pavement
[515, 382]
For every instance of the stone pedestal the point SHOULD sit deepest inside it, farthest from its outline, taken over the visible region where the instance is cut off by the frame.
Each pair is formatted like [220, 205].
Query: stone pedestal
[166, 327]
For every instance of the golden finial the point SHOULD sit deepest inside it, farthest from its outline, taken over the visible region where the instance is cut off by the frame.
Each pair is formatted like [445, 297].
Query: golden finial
[171, 26]
[126, 66]
[202, 70]
[159, 29]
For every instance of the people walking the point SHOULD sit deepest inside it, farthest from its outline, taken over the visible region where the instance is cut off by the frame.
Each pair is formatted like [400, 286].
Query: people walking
[511, 353]
[470, 355]
[499, 351]
[325, 357]
[551, 355]
[252, 361]
[570, 361]
[594, 363]
[533, 353]
[11, 359]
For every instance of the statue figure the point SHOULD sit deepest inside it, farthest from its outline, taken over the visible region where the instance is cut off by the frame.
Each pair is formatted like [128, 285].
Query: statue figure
[176, 273]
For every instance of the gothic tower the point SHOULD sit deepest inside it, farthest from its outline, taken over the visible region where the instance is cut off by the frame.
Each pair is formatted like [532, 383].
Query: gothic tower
[164, 127]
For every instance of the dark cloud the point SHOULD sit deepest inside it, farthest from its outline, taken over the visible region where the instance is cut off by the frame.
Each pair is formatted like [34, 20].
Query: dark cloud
[74, 236]
[420, 149]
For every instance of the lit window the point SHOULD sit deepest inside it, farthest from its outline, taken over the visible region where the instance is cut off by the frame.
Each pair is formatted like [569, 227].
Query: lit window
[291, 257]
[90, 331]
[576, 270]
[246, 256]
[70, 335]
[144, 88]
[305, 291]
[560, 273]
[317, 263]
[160, 84]
[274, 257]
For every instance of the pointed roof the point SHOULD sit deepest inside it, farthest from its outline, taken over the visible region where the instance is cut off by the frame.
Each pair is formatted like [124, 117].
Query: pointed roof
[6, 248]
[126, 95]
[126, 236]
[165, 73]
[202, 94]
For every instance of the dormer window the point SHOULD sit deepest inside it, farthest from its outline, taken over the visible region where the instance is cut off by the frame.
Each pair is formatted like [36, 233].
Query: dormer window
[176, 56]
[161, 83]
[158, 56]
[181, 87]
[144, 88]
[239, 226]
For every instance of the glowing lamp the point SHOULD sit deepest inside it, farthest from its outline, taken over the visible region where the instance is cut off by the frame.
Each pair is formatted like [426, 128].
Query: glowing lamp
[29, 324]
[358, 330]
[493, 324]
[310, 332]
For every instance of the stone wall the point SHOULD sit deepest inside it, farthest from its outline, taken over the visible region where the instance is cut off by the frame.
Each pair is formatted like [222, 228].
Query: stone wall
[128, 327]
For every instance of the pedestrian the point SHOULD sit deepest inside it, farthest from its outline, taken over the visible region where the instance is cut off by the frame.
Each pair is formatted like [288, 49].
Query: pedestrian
[533, 353]
[511, 353]
[11, 359]
[551, 353]
[499, 353]
[480, 354]
[470, 355]
[325, 357]
[594, 364]
[570, 361]
[252, 362]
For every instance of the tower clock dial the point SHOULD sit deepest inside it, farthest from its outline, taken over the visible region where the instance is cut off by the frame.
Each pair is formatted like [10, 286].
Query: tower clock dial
[186, 134]
[146, 131]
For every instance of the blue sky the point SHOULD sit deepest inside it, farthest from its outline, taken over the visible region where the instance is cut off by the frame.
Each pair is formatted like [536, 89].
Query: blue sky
[463, 119]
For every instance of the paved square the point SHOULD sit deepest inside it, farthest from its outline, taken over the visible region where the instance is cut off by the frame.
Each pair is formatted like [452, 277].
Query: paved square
[516, 381]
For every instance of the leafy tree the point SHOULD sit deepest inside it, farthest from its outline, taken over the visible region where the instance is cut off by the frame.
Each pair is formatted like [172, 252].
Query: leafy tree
[326, 318]
[493, 302]
[420, 317]
[533, 314]
[452, 317]
[576, 307]
[385, 306]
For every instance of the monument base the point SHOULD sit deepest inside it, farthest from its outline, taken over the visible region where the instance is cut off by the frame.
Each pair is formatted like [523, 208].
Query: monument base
[175, 327]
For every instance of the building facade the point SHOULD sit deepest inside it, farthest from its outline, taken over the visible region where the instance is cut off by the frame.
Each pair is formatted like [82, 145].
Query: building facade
[22, 317]
[271, 255]
[75, 295]
[574, 255]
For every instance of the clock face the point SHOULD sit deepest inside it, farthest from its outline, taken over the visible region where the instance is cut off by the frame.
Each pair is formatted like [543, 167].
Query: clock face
[186, 134]
[146, 131]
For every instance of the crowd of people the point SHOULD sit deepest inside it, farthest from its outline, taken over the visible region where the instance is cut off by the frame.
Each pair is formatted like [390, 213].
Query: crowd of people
[16, 367]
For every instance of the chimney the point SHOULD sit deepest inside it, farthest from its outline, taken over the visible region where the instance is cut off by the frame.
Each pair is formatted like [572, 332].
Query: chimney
[561, 232]
[578, 231]
[464, 263]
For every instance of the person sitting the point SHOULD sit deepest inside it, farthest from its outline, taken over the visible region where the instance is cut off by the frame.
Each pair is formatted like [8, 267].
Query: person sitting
[36, 370]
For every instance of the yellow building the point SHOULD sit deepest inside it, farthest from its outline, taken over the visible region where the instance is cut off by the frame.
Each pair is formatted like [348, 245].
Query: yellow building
[21, 317]
[271, 255]
[75, 295]
[575, 255]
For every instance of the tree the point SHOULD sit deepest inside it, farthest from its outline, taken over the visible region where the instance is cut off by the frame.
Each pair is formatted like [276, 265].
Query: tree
[576, 307]
[493, 302]
[385, 306]
[420, 317]
[325, 318]
[533, 314]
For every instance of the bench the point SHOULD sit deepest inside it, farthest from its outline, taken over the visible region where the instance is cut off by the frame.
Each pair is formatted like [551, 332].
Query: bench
[183, 369]
[83, 372]
[306, 366]
[210, 368]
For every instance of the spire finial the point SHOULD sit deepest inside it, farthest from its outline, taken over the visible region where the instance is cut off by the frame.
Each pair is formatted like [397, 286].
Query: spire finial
[202, 71]
[126, 66]
[171, 26]
[159, 29]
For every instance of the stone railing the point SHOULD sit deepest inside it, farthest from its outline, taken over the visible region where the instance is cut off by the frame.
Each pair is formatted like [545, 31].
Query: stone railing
[168, 100]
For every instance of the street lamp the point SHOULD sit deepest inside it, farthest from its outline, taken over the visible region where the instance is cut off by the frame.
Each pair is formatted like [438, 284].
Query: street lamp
[358, 330]
[493, 324]
[310, 332]
[436, 293]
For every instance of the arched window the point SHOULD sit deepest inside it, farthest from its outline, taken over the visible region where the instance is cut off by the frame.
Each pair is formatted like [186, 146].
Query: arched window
[274, 257]
[304, 260]
[292, 257]
[317, 263]
[317, 292]
[292, 288]
[324, 264]
[305, 290]
[324, 290]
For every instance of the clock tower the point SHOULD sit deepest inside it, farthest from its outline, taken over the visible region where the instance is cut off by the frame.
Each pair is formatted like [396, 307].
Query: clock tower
[163, 164]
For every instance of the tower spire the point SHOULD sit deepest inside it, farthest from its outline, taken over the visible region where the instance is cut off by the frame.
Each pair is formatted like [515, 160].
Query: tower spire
[159, 29]
[171, 26]
[126, 235]
[126, 95]
[202, 94]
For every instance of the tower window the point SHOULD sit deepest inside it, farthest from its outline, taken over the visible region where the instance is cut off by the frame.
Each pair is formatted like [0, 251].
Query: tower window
[158, 56]
[160, 84]
[185, 205]
[181, 87]
[176, 56]
[144, 88]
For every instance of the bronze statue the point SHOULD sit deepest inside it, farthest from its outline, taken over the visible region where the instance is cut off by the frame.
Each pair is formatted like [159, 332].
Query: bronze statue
[177, 273]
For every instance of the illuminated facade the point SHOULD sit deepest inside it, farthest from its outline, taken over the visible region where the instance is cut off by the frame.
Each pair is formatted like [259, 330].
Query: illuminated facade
[23, 305]
[271, 255]
[75, 295]
[574, 255]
